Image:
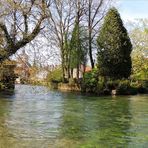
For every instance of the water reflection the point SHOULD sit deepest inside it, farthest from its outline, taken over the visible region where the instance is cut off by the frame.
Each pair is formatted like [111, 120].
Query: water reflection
[34, 115]
[138, 132]
[5, 107]
[91, 122]
[37, 117]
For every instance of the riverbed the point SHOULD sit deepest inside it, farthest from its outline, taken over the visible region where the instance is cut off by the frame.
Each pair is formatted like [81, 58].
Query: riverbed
[36, 117]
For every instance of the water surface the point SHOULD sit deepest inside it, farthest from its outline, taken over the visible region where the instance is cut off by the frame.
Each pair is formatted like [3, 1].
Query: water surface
[35, 117]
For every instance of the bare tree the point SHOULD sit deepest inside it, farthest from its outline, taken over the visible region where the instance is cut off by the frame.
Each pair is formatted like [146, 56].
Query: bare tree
[80, 11]
[64, 14]
[21, 21]
[95, 11]
[60, 22]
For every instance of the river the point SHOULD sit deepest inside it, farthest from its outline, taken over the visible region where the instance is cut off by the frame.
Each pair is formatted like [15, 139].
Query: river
[35, 117]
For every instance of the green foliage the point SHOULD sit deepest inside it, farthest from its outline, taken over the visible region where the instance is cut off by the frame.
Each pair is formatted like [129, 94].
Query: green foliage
[55, 75]
[123, 87]
[140, 66]
[75, 47]
[78, 46]
[140, 86]
[74, 51]
[112, 84]
[90, 81]
[101, 86]
[127, 87]
[139, 38]
[115, 47]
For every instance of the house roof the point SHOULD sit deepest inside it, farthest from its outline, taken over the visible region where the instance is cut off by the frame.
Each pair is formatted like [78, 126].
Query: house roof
[88, 68]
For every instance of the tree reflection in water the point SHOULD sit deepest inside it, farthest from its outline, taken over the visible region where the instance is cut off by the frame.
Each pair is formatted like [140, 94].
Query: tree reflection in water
[37, 117]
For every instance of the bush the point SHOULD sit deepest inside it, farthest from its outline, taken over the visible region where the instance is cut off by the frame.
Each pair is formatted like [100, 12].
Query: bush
[90, 81]
[123, 87]
[95, 84]
[140, 86]
[55, 76]
[112, 84]
[101, 86]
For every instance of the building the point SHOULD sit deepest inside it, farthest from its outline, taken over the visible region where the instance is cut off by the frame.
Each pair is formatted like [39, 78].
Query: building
[82, 70]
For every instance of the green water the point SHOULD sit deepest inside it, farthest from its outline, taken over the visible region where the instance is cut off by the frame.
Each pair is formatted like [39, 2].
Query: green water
[34, 117]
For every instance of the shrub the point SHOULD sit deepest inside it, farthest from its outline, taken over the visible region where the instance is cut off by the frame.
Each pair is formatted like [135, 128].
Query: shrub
[55, 76]
[140, 86]
[112, 84]
[90, 81]
[101, 86]
[133, 91]
[123, 87]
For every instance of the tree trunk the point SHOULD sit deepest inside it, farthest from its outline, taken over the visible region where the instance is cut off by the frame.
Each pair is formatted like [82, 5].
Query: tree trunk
[90, 35]
[90, 51]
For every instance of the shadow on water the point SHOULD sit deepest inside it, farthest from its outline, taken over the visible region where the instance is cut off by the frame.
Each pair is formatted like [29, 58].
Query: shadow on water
[7, 94]
[6, 100]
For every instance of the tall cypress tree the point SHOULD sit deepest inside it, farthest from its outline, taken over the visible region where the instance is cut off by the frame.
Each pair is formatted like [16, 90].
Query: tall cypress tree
[78, 47]
[114, 54]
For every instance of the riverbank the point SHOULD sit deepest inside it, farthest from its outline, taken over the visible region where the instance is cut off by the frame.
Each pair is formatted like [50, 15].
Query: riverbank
[110, 88]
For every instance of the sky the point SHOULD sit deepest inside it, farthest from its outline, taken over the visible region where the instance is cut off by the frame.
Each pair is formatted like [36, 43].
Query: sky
[132, 9]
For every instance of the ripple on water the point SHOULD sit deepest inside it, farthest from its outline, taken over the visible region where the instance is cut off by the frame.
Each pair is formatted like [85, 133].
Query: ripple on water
[36, 117]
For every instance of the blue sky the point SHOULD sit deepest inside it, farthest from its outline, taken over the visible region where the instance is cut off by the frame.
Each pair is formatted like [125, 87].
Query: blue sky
[133, 9]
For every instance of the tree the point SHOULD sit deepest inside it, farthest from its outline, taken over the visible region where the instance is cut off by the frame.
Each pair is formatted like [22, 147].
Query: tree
[95, 11]
[64, 14]
[20, 22]
[59, 25]
[78, 48]
[114, 54]
[139, 37]
[76, 39]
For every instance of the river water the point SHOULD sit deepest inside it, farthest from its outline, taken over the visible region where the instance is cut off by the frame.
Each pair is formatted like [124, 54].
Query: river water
[35, 117]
